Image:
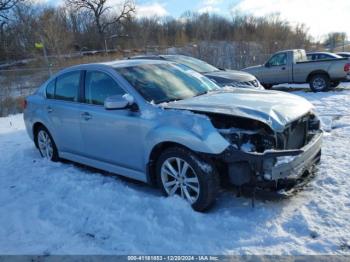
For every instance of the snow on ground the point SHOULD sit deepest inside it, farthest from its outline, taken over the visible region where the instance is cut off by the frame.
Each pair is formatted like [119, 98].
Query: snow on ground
[61, 208]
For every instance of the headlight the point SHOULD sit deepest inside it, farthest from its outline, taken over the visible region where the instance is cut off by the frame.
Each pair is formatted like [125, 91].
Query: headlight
[314, 121]
[248, 141]
[247, 84]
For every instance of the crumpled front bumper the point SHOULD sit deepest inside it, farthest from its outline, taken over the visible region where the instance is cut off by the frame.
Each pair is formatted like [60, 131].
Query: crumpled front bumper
[303, 160]
[262, 168]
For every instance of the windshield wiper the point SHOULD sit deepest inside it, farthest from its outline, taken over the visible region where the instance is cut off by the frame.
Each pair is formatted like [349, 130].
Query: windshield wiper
[168, 100]
[205, 92]
[177, 99]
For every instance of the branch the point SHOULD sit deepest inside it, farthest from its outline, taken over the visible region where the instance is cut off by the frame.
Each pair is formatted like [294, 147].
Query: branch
[127, 10]
[7, 4]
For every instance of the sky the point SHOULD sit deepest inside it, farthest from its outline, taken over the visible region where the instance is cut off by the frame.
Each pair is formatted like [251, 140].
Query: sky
[320, 16]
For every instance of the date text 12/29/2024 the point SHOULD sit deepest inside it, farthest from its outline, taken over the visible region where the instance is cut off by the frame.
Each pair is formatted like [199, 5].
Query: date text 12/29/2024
[173, 258]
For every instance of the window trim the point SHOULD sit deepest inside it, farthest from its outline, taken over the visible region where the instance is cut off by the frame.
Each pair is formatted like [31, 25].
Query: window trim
[54, 89]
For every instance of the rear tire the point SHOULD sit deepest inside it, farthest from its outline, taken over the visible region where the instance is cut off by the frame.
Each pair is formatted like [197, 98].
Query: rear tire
[182, 172]
[320, 83]
[46, 144]
[334, 84]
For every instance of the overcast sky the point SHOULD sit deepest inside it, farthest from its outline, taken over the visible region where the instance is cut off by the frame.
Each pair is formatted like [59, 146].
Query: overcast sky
[320, 16]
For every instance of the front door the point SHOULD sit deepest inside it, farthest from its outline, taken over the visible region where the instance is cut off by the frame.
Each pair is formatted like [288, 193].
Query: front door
[110, 136]
[276, 70]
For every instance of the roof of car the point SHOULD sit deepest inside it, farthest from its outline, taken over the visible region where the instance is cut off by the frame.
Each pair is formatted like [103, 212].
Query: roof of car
[287, 50]
[119, 63]
[144, 56]
[160, 56]
[113, 64]
[127, 62]
[325, 53]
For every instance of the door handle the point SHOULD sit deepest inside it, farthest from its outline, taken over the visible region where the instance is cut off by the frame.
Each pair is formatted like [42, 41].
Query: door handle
[284, 68]
[49, 109]
[86, 116]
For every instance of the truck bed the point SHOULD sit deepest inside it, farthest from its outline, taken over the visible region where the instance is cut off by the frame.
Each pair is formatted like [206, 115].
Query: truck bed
[323, 60]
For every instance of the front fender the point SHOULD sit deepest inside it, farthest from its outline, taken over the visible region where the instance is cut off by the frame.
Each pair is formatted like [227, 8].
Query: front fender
[201, 136]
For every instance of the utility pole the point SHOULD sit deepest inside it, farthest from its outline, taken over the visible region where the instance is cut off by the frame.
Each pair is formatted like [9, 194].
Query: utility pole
[45, 55]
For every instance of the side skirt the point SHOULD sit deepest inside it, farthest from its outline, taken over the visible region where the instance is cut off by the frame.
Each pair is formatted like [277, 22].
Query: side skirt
[137, 175]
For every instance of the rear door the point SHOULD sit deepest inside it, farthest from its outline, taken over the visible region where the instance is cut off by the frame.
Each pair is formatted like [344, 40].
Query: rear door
[110, 136]
[276, 70]
[63, 111]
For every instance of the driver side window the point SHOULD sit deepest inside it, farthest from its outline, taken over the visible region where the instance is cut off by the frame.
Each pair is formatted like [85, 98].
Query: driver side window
[99, 86]
[278, 60]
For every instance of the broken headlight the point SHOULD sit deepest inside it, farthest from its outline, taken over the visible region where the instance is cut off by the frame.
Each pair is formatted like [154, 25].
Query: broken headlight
[248, 140]
[314, 121]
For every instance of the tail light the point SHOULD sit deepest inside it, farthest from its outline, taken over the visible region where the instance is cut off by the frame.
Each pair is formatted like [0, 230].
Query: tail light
[24, 104]
[347, 67]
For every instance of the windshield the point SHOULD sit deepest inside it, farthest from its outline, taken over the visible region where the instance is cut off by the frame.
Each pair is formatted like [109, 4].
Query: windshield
[159, 83]
[193, 63]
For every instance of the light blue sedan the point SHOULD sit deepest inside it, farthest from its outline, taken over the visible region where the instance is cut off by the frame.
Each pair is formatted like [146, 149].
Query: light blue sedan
[155, 122]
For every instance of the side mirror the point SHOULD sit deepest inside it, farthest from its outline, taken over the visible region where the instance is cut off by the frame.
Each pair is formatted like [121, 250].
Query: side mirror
[118, 102]
[267, 64]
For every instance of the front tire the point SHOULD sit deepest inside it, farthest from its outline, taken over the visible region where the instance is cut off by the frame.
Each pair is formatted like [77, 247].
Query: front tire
[182, 172]
[320, 83]
[46, 144]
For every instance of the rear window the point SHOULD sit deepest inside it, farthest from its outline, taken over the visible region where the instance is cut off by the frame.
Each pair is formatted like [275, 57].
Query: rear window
[67, 86]
[300, 56]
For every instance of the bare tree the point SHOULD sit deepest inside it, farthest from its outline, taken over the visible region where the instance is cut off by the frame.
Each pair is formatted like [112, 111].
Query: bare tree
[53, 30]
[335, 39]
[5, 6]
[104, 14]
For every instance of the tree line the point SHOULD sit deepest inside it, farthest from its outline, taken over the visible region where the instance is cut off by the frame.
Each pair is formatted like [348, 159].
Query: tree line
[80, 25]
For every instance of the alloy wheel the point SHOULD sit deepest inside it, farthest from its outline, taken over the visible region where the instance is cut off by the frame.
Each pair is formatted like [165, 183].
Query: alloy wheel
[178, 177]
[45, 144]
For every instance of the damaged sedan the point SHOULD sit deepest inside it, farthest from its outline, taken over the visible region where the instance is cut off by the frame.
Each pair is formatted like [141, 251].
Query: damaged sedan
[155, 122]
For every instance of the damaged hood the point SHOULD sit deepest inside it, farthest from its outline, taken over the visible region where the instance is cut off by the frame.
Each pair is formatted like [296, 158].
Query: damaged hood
[276, 109]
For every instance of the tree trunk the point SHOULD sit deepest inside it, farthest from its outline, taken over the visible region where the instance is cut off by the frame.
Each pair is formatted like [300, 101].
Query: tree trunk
[100, 30]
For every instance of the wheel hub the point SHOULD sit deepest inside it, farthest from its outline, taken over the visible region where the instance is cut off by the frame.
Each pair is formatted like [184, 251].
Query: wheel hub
[178, 177]
[45, 144]
[319, 83]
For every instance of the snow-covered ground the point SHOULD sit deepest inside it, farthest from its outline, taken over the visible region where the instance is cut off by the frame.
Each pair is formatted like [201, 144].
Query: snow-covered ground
[61, 208]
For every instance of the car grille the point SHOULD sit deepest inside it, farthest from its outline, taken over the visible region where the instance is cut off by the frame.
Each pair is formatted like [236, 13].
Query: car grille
[295, 135]
[254, 83]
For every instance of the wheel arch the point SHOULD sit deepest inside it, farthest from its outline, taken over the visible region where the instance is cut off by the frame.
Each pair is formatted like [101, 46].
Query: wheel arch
[154, 155]
[316, 72]
[35, 129]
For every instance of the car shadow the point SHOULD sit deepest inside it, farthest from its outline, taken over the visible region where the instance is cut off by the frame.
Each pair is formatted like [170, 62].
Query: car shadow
[132, 183]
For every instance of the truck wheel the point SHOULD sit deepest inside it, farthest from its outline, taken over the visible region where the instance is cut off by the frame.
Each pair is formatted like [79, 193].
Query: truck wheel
[182, 172]
[334, 84]
[320, 83]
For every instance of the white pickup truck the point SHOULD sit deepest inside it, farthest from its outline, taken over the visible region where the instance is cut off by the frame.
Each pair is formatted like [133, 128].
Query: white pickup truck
[292, 66]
